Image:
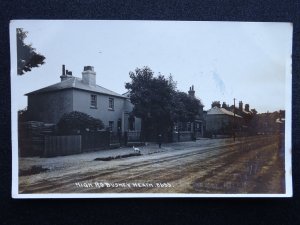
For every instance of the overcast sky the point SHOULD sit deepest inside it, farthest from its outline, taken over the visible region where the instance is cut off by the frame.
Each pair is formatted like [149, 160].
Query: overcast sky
[223, 60]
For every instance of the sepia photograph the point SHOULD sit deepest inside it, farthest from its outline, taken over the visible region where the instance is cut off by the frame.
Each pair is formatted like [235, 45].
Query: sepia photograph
[114, 109]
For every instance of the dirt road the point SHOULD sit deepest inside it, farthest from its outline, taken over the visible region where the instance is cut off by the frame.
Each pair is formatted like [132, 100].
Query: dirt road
[249, 165]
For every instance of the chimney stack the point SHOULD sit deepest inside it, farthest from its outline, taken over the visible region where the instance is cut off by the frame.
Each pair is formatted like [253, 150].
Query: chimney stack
[65, 74]
[224, 106]
[241, 106]
[63, 70]
[247, 107]
[191, 91]
[89, 76]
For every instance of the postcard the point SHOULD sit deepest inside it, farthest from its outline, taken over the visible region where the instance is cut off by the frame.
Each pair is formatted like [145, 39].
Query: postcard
[143, 109]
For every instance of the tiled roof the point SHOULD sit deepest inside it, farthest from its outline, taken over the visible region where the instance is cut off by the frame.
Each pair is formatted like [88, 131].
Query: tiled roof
[220, 111]
[76, 83]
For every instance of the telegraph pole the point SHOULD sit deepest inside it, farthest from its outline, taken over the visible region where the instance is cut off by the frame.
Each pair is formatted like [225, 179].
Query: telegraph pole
[234, 119]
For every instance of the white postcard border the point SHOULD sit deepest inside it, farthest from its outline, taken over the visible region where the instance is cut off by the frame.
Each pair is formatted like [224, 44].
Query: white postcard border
[14, 127]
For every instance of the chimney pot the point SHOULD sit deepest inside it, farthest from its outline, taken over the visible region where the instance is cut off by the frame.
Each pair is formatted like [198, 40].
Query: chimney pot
[86, 68]
[66, 74]
[63, 70]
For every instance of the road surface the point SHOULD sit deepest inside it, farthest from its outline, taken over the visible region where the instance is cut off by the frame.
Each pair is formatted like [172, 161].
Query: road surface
[249, 165]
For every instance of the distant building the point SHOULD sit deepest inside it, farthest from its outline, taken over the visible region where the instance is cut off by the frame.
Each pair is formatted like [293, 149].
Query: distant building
[225, 119]
[49, 104]
[246, 113]
[222, 121]
[270, 122]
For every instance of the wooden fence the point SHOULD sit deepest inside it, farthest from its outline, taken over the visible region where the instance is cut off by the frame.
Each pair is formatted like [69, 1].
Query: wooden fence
[40, 139]
[62, 145]
[31, 137]
[92, 141]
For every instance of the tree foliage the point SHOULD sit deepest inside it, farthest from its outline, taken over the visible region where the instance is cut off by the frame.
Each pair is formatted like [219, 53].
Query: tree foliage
[78, 121]
[158, 103]
[27, 58]
[186, 108]
[150, 95]
[216, 103]
[152, 99]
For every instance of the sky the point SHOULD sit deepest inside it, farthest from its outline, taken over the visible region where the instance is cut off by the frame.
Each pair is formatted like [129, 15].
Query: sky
[248, 61]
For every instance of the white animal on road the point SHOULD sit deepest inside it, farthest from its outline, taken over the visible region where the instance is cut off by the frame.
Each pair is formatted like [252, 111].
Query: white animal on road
[137, 150]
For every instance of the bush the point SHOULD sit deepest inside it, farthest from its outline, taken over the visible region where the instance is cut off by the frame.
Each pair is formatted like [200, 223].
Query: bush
[75, 121]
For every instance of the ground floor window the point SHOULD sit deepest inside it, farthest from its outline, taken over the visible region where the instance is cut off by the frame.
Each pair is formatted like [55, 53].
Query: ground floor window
[131, 123]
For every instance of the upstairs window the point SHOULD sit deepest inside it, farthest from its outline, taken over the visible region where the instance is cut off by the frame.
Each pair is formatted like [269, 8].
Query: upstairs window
[111, 104]
[93, 101]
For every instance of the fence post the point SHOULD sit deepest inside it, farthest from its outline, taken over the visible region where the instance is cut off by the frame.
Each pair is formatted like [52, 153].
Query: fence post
[125, 138]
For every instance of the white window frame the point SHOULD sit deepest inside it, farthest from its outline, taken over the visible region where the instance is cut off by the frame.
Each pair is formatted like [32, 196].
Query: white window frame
[93, 102]
[111, 103]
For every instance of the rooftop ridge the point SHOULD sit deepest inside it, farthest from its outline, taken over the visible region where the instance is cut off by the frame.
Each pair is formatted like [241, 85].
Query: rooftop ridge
[216, 110]
[76, 83]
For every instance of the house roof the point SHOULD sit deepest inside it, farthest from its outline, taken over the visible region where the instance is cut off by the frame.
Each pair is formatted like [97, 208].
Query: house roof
[126, 94]
[240, 110]
[246, 112]
[76, 83]
[221, 111]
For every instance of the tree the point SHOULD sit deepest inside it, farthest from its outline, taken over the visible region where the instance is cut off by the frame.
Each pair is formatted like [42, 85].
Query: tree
[152, 99]
[27, 58]
[158, 103]
[78, 121]
[216, 103]
[185, 107]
